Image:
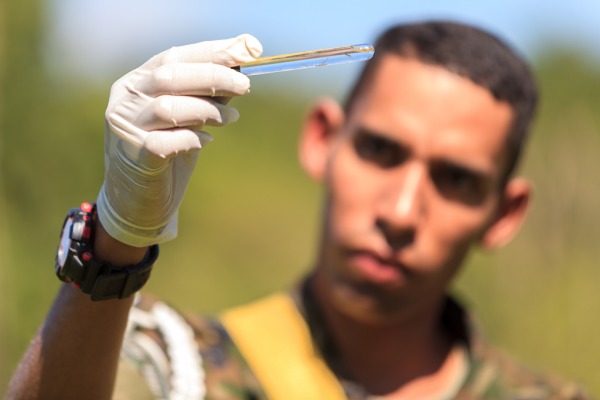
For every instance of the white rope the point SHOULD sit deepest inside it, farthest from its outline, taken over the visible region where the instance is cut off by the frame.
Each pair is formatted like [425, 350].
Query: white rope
[156, 371]
[178, 377]
[187, 374]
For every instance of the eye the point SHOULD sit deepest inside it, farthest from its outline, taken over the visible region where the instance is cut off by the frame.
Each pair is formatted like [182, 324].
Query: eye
[459, 184]
[378, 149]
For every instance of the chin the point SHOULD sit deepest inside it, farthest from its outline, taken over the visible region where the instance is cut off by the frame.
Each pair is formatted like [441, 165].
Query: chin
[364, 307]
[345, 292]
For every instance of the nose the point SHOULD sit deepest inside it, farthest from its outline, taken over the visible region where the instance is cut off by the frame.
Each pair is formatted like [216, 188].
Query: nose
[401, 203]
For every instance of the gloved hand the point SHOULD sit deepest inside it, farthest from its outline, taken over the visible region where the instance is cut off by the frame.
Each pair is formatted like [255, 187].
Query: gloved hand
[153, 133]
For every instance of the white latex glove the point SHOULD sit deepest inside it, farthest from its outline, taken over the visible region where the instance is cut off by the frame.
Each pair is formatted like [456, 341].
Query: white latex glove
[153, 133]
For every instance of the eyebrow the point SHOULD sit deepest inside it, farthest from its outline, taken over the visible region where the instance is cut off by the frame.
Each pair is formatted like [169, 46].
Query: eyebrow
[452, 163]
[382, 136]
[473, 171]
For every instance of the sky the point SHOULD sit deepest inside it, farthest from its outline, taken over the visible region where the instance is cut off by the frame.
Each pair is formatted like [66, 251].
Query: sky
[99, 40]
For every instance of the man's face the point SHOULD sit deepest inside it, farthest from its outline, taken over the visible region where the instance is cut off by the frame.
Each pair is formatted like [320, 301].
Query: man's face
[413, 180]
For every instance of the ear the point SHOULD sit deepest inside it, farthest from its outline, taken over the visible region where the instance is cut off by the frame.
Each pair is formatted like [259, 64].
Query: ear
[510, 216]
[323, 122]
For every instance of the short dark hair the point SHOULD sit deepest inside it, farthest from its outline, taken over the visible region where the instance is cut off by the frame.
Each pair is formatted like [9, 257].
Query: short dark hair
[469, 52]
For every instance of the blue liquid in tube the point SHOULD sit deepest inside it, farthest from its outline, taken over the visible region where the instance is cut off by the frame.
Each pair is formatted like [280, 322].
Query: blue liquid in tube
[308, 59]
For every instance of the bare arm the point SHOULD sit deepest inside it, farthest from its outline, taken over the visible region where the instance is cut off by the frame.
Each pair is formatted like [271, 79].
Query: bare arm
[152, 137]
[76, 351]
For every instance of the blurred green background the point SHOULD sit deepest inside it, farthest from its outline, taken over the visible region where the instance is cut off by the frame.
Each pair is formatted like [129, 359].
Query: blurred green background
[248, 221]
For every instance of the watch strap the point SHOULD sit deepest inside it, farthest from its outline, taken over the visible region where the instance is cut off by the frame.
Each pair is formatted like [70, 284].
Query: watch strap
[102, 281]
[112, 282]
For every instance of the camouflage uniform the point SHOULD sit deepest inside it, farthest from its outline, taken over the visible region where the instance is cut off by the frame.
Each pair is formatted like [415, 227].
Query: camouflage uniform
[168, 357]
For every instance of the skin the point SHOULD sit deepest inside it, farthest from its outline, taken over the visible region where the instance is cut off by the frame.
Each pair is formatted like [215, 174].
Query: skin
[395, 231]
[414, 181]
[60, 363]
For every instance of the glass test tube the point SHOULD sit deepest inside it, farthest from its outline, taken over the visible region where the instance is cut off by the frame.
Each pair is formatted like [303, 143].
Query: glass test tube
[308, 59]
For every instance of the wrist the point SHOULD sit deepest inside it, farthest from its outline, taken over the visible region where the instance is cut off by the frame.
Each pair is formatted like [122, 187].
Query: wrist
[110, 250]
[118, 272]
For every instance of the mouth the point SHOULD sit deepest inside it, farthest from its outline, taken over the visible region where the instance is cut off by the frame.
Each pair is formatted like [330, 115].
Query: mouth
[376, 268]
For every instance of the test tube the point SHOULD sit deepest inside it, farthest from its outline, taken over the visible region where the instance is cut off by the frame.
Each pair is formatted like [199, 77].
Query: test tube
[308, 59]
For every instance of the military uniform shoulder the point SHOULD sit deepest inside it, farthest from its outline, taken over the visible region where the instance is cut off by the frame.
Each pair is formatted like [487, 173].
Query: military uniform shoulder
[149, 314]
[495, 374]
[182, 356]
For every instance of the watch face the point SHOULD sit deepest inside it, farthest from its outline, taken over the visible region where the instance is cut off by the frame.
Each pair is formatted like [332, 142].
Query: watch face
[65, 243]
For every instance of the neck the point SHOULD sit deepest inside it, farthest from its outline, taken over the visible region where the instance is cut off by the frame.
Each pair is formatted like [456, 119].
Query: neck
[393, 357]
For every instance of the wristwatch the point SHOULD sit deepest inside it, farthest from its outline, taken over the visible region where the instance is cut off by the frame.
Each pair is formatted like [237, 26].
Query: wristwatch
[76, 264]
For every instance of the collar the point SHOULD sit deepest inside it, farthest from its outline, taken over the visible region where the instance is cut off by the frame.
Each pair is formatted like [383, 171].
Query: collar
[454, 319]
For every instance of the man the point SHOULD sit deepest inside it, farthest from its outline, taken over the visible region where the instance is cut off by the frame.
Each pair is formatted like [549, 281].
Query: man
[418, 168]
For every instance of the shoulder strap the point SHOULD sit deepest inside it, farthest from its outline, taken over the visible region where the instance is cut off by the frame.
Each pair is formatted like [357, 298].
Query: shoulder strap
[275, 341]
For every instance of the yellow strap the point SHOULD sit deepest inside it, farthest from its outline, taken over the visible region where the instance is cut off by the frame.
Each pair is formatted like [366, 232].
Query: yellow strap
[276, 343]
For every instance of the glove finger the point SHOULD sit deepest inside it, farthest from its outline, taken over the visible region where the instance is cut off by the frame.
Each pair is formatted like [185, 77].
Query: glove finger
[222, 99]
[167, 112]
[229, 52]
[193, 80]
[161, 143]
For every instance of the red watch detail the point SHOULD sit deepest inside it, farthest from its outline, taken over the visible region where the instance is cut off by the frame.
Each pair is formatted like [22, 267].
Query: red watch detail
[87, 207]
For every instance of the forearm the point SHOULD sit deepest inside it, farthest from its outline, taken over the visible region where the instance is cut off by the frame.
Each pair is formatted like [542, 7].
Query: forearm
[75, 353]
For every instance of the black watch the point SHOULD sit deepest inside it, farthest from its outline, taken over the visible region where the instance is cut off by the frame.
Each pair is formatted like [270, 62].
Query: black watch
[75, 262]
